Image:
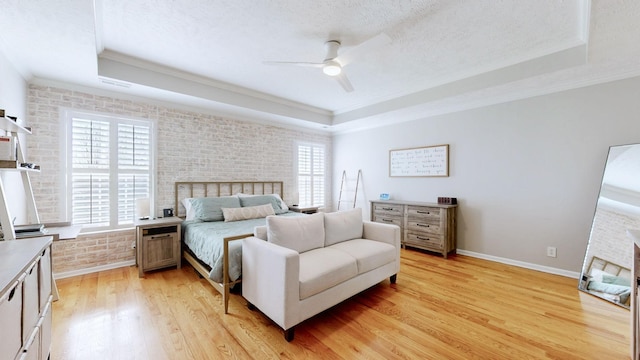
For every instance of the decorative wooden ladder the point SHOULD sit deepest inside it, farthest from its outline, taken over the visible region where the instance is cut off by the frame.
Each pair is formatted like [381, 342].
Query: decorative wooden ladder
[343, 190]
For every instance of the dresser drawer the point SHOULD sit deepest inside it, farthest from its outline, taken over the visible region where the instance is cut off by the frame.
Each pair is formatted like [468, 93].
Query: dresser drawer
[425, 240]
[31, 350]
[388, 219]
[46, 323]
[10, 317]
[30, 300]
[427, 227]
[388, 209]
[423, 212]
[44, 281]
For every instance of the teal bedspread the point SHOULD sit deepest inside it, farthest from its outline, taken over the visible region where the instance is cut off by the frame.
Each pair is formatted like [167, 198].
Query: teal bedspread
[205, 239]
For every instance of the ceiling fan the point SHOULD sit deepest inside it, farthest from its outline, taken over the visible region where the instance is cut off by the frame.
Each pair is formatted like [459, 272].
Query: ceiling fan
[333, 64]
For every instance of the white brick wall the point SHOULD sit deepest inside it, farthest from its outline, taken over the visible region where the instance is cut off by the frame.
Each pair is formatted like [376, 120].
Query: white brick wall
[192, 146]
[609, 239]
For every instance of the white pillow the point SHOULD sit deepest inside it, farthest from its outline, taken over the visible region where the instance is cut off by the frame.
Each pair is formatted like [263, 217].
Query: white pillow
[299, 233]
[342, 226]
[246, 213]
[189, 213]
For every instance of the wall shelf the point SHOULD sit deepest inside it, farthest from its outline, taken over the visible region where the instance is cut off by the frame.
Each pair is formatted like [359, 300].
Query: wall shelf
[16, 165]
[6, 221]
[10, 125]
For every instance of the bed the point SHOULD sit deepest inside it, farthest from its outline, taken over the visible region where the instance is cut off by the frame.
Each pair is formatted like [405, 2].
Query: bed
[609, 281]
[218, 214]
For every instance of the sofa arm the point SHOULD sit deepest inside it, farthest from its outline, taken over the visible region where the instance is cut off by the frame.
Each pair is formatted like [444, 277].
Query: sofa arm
[270, 280]
[388, 233]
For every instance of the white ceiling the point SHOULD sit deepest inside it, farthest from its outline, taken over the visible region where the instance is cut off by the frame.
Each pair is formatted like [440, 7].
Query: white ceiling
[444, 55]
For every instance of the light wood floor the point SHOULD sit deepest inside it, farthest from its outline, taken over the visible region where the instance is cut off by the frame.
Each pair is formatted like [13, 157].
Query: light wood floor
[460, 308]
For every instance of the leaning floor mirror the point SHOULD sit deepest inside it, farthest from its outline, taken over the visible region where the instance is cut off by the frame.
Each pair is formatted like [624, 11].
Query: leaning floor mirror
[606, 271]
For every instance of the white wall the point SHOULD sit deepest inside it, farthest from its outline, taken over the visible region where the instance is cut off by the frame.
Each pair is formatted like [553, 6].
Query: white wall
[13, 94]
[526, 173]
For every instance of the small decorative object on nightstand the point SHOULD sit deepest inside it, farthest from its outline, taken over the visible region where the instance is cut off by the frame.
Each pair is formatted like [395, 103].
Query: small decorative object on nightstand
[157, 243]
[304, 210]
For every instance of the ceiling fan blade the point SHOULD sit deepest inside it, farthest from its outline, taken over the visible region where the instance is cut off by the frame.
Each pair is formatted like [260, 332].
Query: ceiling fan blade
[344, 81]
[368, 45]
[294, 63]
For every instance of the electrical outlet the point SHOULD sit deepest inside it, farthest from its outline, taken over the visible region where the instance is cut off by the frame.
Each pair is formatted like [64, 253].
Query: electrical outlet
[551, 251]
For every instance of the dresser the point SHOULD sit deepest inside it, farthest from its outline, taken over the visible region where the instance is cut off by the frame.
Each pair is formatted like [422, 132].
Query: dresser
[427, 226]
[25, 298]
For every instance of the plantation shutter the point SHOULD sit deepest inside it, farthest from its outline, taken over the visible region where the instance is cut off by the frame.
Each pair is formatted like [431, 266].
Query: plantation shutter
[90, 180]
[134, 163]
[311, 175]
[111, 168]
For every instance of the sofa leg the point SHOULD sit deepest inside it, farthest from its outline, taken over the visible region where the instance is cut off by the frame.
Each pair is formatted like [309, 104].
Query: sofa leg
[251, 306]
[393, 278]
[288, 334]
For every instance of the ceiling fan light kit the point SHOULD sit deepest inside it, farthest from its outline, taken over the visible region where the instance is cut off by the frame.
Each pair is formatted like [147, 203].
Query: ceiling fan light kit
[331, 68]
[332, 63]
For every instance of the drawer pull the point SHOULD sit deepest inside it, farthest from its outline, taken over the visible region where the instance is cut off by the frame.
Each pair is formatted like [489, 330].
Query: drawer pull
[422, 225]
[421, 238]
[387, 220]
[387, 209]
[158, 236]
[424, 212]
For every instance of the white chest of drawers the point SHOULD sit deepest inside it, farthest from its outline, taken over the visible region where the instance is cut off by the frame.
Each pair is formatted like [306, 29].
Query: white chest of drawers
[25, 298]
[427, 226]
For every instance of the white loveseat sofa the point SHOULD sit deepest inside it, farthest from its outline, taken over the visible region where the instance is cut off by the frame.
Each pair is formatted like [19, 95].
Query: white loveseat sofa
[301, 266]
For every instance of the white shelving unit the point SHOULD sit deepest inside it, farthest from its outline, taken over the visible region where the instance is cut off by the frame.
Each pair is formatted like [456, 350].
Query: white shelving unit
[14, 129]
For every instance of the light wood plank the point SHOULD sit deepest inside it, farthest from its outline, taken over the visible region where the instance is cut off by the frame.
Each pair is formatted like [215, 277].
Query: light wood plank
[458, 308]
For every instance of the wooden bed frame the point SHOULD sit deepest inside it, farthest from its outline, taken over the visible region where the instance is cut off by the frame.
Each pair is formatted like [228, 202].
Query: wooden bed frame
[189, 189]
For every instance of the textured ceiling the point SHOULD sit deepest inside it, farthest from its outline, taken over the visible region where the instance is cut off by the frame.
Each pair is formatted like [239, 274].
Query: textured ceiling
[443, 55]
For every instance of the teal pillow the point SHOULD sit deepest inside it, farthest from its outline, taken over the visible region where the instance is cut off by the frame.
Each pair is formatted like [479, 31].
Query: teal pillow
[210, 208]
[262, 200]
[615, 280]
[608, 288]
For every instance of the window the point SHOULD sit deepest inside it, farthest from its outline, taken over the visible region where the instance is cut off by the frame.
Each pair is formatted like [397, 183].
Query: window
[110, 165]
[311, 175]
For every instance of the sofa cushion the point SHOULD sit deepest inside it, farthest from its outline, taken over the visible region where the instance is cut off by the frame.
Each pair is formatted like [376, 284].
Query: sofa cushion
[323, 268]
[342, 225]
[299, 233]
[369, 254]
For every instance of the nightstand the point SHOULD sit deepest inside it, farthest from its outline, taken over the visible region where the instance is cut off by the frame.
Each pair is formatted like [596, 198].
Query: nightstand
[304, 210]
[158, 244]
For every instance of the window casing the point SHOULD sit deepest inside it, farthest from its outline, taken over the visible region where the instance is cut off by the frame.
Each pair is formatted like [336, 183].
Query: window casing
[109, 164]
[311, 165]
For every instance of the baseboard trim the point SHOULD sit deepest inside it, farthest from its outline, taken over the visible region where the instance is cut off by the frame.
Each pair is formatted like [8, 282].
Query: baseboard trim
[66, 274]
[522, 264]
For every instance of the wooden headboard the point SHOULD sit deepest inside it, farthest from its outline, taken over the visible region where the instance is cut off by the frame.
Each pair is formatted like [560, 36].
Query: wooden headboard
[189, 189]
